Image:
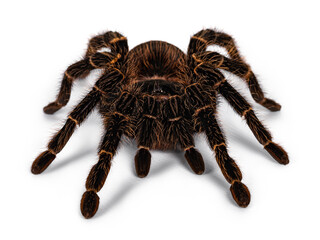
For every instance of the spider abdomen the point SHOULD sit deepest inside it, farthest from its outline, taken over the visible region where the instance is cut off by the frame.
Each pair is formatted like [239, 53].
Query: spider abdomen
[156, 60]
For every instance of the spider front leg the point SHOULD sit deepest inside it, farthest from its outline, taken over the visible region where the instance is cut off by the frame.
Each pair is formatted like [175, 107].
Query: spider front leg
[205, 120]
[148, 128]
[242, 70]
[117, 123]
[178, 129]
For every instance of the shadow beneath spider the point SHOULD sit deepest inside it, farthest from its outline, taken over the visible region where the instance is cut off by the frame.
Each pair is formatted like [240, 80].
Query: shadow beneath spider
[116, 199]
[57, 165]
[253, 146]
[129, 186]
[160, 168]
[225, 187]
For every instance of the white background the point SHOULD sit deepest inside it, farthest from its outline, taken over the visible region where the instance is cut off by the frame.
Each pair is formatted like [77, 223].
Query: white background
[39, 39]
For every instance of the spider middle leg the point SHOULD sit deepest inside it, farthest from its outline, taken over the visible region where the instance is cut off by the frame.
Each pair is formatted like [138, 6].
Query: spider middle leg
[76, 117]
[205, 120]
[99, 172]
[60, 139]
[148, 128]
[229, 168]
[117, 123]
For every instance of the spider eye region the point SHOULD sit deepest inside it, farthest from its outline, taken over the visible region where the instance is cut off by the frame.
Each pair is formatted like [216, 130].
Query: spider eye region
[157, 87]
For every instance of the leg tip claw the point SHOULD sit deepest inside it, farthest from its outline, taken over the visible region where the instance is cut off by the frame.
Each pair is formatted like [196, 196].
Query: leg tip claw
[278, 153]
[240, 193]
[195, 161]
[142, 162]
[89, 204]
[51, 108]
[272, 105]
[42, 162]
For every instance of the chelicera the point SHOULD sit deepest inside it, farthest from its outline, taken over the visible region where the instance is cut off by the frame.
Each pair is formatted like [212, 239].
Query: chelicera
[160, 97]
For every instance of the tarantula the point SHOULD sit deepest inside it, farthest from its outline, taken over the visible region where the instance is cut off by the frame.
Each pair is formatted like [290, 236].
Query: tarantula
[159, 96]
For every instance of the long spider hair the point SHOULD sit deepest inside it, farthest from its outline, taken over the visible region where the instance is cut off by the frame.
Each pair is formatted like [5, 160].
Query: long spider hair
[159, 96]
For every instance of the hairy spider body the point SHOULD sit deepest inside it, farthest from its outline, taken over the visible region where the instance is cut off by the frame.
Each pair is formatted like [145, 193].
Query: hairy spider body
[159, 96]
[154, 69]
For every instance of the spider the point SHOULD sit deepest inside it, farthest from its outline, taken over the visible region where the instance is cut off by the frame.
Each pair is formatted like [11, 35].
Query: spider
[160, 97]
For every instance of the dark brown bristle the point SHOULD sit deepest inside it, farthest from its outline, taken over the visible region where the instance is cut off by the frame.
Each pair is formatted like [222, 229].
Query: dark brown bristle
[142, 162]
[99, 173]
[240, 193]
[42, 162]
[195, 160]
[89, 204]
[277, 152]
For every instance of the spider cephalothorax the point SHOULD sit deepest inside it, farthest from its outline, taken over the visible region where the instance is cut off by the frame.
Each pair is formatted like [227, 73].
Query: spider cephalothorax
[159, 96]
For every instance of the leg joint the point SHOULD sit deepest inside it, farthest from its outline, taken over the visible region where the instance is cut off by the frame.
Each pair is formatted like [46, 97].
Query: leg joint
[218, 145]
[99, 90]
[74, 120]
[246, 111]
[144, 147]
[69, 77]
[118, 39]
[105, 152]
[52, 151]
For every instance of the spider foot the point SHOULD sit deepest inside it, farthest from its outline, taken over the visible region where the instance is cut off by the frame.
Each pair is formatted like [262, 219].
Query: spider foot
[272, 105]
[142, 162]
[240, 193]
[42, 162]
[51, 108]
[277, 152]
[89, 204]
[195, 160]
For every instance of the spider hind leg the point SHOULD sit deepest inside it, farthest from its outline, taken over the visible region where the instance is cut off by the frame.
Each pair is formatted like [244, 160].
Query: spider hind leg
[92, 60]
[204, 117]
[77, 70]
[243, 108]
[235, 64]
